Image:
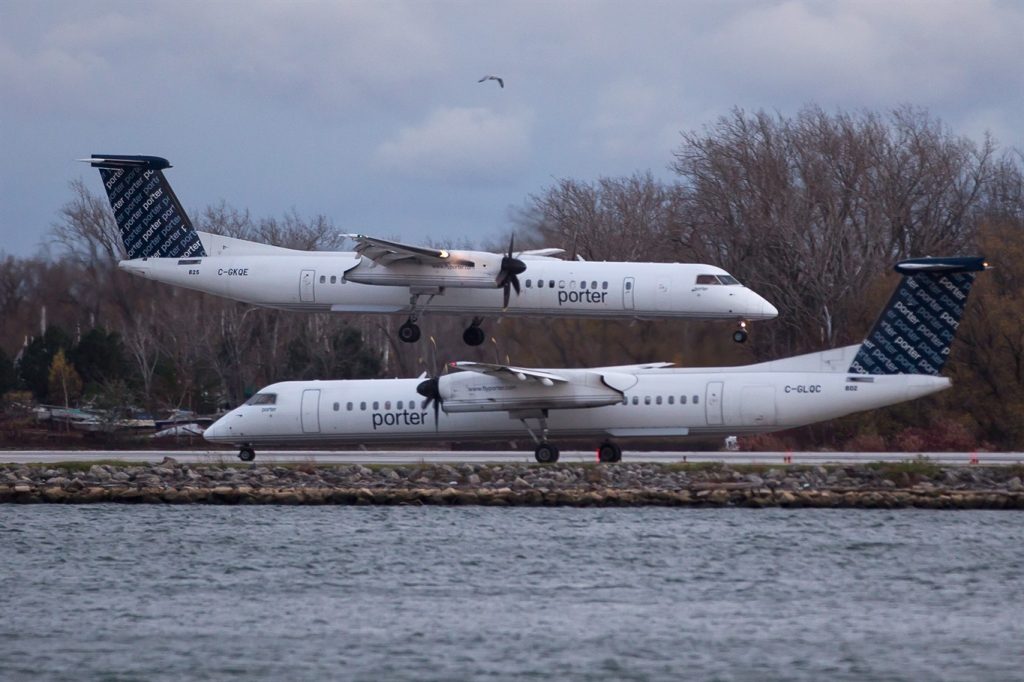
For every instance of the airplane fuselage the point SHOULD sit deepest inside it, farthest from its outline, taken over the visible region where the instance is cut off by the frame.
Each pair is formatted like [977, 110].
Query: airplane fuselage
[316, 282]
[672, 403]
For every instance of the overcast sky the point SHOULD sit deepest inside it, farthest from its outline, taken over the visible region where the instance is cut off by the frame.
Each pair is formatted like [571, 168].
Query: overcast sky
[370, 112]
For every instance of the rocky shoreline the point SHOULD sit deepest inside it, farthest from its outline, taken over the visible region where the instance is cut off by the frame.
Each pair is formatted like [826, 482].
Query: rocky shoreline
[920, 484]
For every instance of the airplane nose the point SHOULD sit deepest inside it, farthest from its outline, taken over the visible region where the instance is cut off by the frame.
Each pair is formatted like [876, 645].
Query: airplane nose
[216, 431]
[761, 309]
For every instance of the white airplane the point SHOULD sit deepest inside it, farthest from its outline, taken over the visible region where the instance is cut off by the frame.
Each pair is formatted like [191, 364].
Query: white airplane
[386, 277]
[900, 360]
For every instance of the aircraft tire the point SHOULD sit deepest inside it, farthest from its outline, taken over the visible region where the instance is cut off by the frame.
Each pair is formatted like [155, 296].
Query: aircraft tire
[609, 452]
[739, 336]
[247, 454]
[409, 333]
[546, 453]
[473, 336]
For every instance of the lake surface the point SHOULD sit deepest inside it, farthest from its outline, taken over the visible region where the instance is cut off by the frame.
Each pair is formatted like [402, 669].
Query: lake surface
[431, 593]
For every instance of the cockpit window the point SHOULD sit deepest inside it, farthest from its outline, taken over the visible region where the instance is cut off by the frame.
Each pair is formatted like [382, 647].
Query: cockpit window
[262, 399]
[716, 279]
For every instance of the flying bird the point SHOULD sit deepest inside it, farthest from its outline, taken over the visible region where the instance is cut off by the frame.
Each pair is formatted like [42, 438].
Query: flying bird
[492, 78]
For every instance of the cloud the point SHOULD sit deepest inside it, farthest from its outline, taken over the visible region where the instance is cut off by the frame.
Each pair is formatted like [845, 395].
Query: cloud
[463, 145]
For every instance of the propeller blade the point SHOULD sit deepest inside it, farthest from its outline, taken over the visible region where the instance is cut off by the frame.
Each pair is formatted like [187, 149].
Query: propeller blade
[506, 296]
[429, 389]
[515, 284]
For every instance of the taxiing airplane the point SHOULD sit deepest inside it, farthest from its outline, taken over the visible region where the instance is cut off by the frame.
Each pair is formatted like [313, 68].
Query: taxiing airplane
[387, 277]
[901, 359]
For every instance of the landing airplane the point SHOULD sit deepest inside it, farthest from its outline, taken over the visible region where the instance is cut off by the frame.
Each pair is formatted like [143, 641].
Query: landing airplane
[386, 277]
[901, 359]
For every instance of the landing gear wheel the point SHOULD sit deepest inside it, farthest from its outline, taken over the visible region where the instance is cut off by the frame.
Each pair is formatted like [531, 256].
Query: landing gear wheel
[609, 452]
[409, 332]
[473, 336]
[739, 336]
[247, 454]
[546, 453]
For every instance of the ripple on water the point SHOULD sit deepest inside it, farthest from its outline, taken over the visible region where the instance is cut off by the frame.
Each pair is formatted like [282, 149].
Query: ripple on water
[441, 593]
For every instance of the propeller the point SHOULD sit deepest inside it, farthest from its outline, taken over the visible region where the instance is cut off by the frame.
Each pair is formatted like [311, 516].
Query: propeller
[511, 268]
[431, 390]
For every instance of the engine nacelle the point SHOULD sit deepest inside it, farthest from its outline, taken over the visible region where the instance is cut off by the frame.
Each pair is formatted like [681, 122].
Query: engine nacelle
[475, 392]
[470, 269]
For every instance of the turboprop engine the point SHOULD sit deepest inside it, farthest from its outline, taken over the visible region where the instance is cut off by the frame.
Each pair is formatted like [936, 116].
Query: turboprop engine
[473, 269]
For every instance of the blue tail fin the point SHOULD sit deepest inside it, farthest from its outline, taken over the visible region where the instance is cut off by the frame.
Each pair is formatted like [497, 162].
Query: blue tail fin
[151, 220]
[917, 326]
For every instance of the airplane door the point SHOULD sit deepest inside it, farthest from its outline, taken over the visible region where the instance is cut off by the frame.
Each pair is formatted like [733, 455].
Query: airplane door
[627, 293]
[306, 280]
[311, 410]
[713, 403]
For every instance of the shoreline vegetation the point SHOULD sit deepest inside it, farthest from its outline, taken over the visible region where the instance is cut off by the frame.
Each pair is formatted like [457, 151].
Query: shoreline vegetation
[894, 485]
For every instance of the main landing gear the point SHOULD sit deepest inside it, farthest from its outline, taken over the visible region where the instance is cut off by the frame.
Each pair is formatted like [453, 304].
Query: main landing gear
[474, 335]
[740, 335]
[547, 453]
[410, 332]
[247, 454]
[609, 452]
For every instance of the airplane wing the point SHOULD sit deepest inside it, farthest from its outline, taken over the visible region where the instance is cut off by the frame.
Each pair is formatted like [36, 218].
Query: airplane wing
[540, 253]
[510, 372]
[486, 387]
[385, 253]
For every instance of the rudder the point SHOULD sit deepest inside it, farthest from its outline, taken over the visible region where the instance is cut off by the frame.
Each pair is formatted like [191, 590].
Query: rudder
[917, 326]
[148, 214]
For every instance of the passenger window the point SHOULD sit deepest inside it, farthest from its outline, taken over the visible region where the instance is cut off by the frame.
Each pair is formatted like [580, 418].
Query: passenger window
[636, 400]
[572, 284]
[671, 400]
[337, 406]
[604, 285]
[593, 285]
[387, 405]
[696, 399]
[561, 284]
[334, 279]
[551, 284]
[647, 400]
[657, 401]
[400, 403]
[323, 278]
[629, 285]
[625, 400]
[583, 284]
[529, 284]
[376, 405]
[682, 400]
[348, 406]
[362, 405]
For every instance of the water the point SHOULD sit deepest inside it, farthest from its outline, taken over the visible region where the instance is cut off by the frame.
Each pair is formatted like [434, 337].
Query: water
[400, 593]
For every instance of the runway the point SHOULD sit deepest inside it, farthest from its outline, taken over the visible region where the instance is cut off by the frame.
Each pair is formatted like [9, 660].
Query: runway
[269, 457]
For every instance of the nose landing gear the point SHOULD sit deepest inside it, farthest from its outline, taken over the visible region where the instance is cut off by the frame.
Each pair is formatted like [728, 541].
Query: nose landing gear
[740, 335]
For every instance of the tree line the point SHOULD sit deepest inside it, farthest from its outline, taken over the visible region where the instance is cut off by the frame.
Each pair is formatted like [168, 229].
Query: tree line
[810, 210]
